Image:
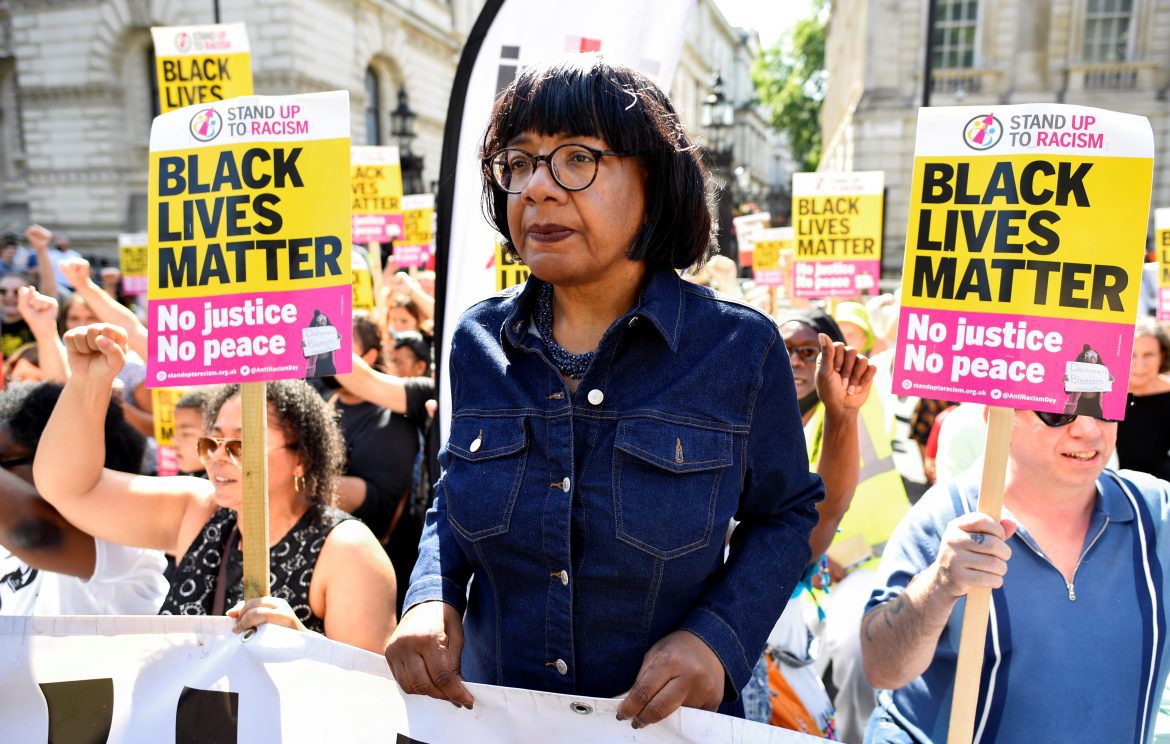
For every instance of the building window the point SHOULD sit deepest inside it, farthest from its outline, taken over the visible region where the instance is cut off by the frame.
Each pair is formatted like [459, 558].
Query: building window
[1107, 30]
[373, 108]
[954, 33]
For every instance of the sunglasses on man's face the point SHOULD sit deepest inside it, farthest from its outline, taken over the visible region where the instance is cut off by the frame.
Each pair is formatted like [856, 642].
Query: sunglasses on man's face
[1057, 420]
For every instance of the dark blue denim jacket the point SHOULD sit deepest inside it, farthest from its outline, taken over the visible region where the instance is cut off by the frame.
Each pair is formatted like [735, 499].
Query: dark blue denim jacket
[594, 522]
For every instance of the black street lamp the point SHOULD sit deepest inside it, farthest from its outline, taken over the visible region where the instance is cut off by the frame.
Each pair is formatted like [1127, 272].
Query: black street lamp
[402, 120]
[718, 118]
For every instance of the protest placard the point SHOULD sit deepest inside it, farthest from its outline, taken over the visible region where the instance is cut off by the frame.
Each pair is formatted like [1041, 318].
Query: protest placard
[201, 64]
[163, 409]
[1024, 252]
[248, 221]
[132, 252]
[510, 270]
[770, 245]
[416, 246]
[363, 281]
[837, 218]
[745, 227]
[376, 185]
[1162, 249]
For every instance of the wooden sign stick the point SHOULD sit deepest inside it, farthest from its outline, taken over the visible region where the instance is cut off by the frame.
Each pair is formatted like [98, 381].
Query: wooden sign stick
[375, 261]
[978, 606]
[254, 517]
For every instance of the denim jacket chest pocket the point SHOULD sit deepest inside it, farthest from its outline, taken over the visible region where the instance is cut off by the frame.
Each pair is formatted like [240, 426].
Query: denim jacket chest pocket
[666, 480]
[484, 473]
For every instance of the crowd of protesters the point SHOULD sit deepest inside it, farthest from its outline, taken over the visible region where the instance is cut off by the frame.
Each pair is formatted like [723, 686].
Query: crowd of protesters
[869, 533]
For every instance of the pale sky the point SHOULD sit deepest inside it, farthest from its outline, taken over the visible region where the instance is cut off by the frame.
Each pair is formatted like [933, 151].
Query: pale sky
[770, 18]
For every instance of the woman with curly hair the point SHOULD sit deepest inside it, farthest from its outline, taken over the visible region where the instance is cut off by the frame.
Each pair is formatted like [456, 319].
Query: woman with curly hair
[328, 572]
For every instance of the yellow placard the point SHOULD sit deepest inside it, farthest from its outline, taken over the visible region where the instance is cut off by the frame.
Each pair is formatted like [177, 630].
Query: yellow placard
[201, 64]
[767, 255]
[1027, 235]
[247, 218]
[418, 223]
[163, 402]
[838, 228]
[363, 290]
[133, 260]
[510, 271]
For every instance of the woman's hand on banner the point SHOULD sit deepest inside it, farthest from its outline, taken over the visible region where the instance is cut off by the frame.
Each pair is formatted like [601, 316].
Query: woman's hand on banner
[425, 653]
[259, 610]
[678, 670]
[96, 352]
[844, 376]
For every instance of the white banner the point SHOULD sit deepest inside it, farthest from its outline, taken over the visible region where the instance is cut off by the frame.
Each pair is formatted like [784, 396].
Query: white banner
[644, 35]
[162, 679]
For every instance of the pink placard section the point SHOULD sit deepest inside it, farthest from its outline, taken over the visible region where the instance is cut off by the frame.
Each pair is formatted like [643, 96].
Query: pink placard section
[135, 285]
[1163, 303]
[168, 461]
[246, 337]
[376, 228]
[411, 254]
[815, 279]
[768, 277]
[1009, 360]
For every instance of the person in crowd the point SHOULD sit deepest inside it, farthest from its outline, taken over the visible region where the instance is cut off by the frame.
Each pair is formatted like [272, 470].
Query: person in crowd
[961, 441]
[90, 304]
[39, 312]
[8, 250]
[403, 285]
[24, 365]
[60, 250]
[853, 319]
[583, 413]
[75, 312]
[1143, 436]
[329, 574]
[403, 314]
[1078, 567]
[103, 304]
[47, 565]
[864, 499]
[381, 449]
[189, 429]
[14, 331]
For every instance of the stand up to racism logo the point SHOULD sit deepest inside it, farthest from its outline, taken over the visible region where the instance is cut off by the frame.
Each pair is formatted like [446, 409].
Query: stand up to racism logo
[206, 124]
[983, 132]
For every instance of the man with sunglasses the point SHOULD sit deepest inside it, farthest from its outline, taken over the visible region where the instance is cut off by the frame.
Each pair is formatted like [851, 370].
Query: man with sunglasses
[1078, 566]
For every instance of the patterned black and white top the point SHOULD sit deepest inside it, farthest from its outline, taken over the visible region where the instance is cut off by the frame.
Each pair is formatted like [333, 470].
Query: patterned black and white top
[290, 568]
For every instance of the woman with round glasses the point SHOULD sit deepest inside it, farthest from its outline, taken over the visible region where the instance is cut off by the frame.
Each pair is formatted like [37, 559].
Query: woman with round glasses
[609, 420]
[327, 571]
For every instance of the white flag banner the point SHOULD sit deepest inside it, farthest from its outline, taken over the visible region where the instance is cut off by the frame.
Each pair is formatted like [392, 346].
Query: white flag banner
[166, 679]
[508, 35]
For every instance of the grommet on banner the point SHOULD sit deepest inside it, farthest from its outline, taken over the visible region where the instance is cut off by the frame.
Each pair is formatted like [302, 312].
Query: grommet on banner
[247, 635]
[581, 708]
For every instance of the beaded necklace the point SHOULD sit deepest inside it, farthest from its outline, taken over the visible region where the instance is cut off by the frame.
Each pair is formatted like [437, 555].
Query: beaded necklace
[572, 365]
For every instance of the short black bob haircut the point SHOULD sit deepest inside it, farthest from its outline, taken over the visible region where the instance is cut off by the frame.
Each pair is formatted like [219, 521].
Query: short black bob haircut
[590, 98]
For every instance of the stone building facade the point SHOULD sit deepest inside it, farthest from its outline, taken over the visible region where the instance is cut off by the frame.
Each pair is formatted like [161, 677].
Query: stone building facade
[76, 91]
[76, 102]
[1112, 54]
